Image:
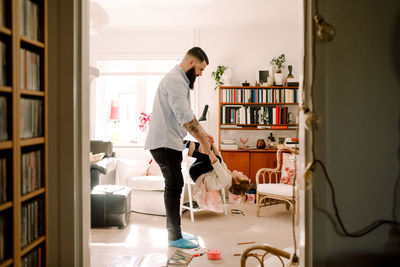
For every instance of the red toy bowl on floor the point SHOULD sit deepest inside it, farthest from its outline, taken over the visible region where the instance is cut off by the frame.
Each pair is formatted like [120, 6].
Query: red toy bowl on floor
[214, 254]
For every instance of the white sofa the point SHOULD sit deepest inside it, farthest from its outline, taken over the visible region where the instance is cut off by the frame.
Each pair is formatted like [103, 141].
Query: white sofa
[145, 179]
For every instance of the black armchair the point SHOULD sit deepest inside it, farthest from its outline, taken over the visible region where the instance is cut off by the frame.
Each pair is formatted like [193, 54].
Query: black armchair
[103, 171]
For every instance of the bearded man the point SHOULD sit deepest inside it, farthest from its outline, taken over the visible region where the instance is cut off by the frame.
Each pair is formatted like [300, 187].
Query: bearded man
[171, 119]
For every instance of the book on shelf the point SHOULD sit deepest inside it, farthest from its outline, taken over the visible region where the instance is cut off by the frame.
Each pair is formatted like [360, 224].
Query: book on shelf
[3, 179]
[3, 64]
[3, 119]
[29, 23]
[3, 233]
[259, 95]
[33, 258]
[31, 122]
[228, 141]
[291, 83]
[2, 13]
[31, 221]
[254, 115]
[291, 142]
[31, 173]
[230, 126]
[278, 127]
[229, 146]
[29, 70]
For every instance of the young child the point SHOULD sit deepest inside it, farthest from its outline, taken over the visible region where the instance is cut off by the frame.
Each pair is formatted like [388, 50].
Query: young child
[210, 174]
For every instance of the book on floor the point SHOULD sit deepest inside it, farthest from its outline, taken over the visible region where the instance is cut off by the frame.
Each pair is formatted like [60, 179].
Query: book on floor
[179, 258]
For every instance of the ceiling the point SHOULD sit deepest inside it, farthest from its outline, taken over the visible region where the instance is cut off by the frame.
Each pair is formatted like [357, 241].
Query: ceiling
[194, 13]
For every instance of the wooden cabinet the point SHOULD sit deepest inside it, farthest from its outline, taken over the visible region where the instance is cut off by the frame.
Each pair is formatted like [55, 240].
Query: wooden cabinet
[237, 160]
[261, 159]
[249, 161]
[23, 133]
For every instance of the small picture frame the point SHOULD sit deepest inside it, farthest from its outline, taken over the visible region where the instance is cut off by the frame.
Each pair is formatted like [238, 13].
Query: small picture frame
[263, 76]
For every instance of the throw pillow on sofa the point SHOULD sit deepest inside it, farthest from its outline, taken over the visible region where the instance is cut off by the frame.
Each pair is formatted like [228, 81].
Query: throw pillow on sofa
[154, 169]
[131, 168]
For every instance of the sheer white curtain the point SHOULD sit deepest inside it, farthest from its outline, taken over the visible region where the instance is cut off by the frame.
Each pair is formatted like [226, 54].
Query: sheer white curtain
[132, 84]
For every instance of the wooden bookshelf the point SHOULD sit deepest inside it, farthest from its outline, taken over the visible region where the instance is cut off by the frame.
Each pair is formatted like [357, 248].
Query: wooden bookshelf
[249, 111]
[24, 134]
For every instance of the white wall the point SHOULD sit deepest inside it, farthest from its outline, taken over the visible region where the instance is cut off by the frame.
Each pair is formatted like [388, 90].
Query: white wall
[246, 50]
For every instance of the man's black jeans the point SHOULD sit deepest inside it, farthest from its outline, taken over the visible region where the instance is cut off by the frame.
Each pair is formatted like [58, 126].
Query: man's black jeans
[170, 161]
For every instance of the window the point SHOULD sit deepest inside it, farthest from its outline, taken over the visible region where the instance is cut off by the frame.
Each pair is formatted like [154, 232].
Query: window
[130, 86]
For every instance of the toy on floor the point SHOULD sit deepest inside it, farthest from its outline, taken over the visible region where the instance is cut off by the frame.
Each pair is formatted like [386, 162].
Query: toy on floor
[179, 258]
[214, 254]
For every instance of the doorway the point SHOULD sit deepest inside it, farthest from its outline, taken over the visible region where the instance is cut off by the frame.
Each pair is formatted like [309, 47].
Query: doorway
[245, 28]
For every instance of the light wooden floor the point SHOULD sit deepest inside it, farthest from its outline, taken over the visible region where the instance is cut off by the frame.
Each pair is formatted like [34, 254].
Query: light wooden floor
[145, 238]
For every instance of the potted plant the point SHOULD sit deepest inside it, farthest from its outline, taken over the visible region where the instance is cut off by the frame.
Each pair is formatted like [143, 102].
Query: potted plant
[278, 64]
[217, 75]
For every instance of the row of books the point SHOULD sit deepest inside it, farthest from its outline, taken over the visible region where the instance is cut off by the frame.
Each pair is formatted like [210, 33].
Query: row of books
[277, 127]
[29, 25]
[33, 258]
[3, 235]
[3, 179]
[2, 13]
[3, 64]
[31, 124]
[31, 171]
[31, 221]
[29, 70]
[269, 95]
[238, 114]
[3, 118]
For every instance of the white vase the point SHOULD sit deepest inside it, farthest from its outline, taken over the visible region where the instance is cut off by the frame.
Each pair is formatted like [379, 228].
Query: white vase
[226, 77]
[278, 77]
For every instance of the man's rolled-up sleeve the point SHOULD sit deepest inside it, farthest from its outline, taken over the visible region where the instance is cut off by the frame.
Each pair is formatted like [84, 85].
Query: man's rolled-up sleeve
[177, 98]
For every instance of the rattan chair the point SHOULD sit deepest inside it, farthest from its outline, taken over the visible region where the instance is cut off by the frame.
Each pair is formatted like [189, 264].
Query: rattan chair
[266, 256]
[270, 188]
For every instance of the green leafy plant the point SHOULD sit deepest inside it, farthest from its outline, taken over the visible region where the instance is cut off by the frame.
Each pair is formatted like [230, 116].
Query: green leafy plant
[278, 63]
[218, 74]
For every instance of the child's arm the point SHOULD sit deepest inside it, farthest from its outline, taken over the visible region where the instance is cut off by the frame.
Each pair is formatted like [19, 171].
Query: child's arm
[215, 150]
[192, 147]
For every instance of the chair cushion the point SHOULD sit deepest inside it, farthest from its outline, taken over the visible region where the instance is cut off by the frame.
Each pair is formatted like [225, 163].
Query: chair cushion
[276, 189]
[288, 170]
[146, 183]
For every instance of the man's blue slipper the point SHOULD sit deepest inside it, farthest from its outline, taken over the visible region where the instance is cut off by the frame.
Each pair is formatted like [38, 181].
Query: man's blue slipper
[182, 243]
[188, 236]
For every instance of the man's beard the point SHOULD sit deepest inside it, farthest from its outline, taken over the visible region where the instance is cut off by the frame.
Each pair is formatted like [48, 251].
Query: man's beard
[191, 74]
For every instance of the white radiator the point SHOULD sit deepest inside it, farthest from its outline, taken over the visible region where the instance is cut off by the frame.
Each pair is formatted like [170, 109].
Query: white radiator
[129, 152]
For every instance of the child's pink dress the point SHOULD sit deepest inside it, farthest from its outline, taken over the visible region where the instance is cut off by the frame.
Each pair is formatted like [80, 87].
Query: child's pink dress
[207, 186]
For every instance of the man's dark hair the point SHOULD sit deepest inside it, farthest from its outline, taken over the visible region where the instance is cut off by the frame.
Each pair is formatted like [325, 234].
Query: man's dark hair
[198, 53]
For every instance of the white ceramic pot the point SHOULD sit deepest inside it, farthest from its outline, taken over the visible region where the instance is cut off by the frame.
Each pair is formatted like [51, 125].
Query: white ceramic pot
[226, 77]
[278, 77]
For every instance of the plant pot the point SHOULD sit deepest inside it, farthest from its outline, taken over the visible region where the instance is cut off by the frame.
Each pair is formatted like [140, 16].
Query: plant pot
[226, 77]
[278, 77]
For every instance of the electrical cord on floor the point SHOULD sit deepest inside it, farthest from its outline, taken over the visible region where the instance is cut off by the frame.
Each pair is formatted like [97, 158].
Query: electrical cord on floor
[345, 232]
